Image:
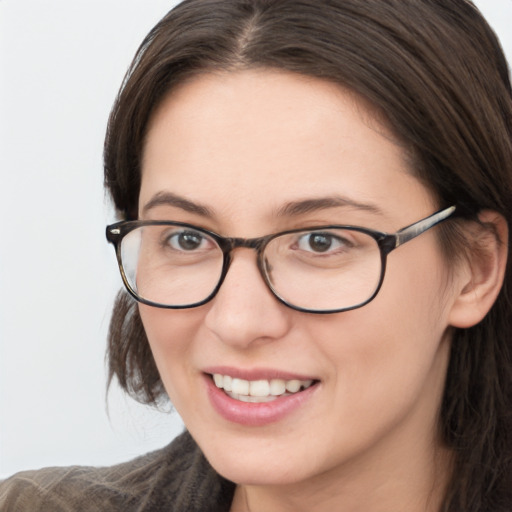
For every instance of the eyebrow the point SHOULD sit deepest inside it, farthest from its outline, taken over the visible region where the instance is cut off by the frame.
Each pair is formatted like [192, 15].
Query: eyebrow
[170, 199]
[291, 209]
[323, 203]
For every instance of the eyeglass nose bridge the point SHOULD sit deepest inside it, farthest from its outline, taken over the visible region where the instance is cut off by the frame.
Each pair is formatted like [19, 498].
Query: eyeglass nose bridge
[228, 245]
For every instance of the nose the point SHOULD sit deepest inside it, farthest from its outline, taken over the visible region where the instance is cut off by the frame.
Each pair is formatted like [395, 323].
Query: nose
[245, 311]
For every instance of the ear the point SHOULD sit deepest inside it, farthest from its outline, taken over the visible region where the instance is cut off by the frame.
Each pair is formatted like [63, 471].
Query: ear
[484, 264]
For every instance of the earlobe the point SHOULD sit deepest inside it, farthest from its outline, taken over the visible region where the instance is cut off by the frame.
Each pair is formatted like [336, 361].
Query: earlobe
[484, 269]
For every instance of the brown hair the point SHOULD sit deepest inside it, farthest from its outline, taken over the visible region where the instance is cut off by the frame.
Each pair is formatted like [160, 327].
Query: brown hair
[436, 71]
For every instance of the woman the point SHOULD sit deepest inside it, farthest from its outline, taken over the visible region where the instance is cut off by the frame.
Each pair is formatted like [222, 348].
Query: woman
[268, 160]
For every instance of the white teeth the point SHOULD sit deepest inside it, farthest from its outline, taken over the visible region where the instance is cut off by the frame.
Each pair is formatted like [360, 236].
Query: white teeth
[258, 390]
[252, 399]
[227, 383]
[240, 387]
[277, 387]
[293, 386]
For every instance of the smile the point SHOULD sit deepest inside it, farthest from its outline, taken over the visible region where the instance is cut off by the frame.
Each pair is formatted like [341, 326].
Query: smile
[263, 397]
[259, 391]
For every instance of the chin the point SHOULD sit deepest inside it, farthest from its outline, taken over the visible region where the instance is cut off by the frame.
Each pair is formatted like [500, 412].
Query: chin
[243, 472]
[249, 462]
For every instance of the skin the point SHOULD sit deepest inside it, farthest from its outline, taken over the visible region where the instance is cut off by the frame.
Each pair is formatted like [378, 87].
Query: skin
[243, 145]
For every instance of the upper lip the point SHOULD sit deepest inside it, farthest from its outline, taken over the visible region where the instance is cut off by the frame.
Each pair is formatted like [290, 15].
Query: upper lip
[257, 373]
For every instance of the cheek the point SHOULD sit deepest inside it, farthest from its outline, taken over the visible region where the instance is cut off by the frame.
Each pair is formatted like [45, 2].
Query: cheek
[389, 351]
[414, 310]
[169, 333]
[416, 284]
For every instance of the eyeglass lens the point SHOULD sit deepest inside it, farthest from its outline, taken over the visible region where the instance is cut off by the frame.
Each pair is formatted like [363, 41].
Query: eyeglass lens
[321, 270]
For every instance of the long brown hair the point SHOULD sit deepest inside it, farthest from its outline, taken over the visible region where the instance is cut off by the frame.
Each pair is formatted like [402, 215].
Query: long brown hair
[435, 71]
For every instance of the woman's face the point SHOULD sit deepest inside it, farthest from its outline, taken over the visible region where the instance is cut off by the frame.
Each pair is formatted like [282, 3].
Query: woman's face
[249, 151]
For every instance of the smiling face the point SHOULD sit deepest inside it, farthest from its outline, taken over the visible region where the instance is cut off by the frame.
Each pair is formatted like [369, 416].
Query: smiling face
[251, 153]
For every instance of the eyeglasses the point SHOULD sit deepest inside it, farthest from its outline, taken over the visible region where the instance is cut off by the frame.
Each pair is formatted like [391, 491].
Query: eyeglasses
[324, 269]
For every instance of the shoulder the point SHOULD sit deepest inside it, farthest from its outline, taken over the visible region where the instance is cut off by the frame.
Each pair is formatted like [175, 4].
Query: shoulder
[81, 488]
[175, 478]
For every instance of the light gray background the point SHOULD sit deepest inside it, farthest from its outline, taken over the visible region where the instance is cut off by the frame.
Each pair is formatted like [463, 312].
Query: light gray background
[61, 63]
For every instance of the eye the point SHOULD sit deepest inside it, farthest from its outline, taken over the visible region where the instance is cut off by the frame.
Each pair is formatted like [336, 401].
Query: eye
[319, 242]
[187, 241]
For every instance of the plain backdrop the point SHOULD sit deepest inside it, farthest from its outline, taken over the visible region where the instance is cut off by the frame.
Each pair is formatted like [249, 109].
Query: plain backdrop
[61, 63]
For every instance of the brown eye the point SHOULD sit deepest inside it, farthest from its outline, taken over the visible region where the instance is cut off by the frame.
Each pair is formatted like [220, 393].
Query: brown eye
[318, 242]
[187, 241]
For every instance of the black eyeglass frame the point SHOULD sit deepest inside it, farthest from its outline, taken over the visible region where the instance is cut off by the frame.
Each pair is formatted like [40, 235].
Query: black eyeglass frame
[387, 242]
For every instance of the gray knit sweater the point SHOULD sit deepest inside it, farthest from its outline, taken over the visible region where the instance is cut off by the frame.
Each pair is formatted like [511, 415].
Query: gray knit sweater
[176, 478]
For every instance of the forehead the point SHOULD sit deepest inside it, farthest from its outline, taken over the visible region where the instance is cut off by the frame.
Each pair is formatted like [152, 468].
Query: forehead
[254, 139]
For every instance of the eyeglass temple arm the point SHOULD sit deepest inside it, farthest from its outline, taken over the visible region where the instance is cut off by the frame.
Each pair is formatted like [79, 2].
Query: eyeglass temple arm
[412, 231]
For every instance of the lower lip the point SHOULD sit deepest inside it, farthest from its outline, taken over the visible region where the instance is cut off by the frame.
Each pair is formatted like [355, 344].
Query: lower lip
[255, 414]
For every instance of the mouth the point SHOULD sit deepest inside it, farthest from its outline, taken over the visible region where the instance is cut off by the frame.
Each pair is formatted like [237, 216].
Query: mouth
[261, 390]
[258, 397]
